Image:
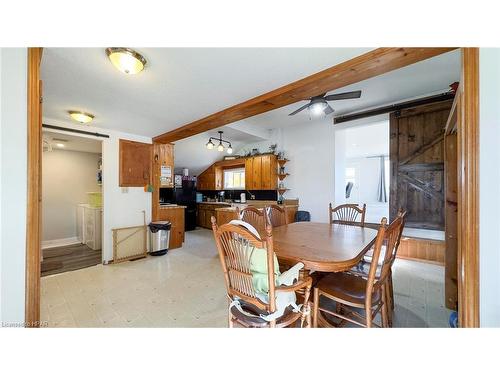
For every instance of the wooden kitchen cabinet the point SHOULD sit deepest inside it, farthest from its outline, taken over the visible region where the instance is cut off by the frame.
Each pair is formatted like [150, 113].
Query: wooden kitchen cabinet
[269, 172]
[205, 213]
[135, 163]
[210, 179]
[163, 156]
[225, 216]
[176, 217]
[256, 173]
[261, 172]
[248, 173]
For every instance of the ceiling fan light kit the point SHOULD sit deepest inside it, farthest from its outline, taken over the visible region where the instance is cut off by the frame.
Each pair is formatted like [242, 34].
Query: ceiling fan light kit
[318, 105]
[220, 147]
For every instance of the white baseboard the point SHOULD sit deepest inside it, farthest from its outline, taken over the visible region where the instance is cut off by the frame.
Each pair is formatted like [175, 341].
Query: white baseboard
[60, 242]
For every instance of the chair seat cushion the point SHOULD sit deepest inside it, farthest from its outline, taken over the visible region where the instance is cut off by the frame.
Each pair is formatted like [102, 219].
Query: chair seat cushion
[348, 288]
[256, 321]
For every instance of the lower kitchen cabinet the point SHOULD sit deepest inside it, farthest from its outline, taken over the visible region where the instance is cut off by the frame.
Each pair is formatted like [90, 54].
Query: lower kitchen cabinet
[225, 216]
[205, 213]
[176, 217]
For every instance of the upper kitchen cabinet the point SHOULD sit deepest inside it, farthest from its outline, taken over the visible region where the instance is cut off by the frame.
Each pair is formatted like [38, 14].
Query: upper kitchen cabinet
[135, 163]
[163, 164]
[269, 170]
[210, 179]
[261, 172]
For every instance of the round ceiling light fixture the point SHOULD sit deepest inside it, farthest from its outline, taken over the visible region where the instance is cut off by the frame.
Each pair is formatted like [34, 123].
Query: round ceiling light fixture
[126, 60]
[81, 117]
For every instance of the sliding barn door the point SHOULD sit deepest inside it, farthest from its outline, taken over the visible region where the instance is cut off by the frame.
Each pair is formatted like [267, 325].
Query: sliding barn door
[417, 167]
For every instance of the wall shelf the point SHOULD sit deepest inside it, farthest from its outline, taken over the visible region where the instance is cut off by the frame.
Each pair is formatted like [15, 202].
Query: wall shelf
[282, 162]
[282, 176]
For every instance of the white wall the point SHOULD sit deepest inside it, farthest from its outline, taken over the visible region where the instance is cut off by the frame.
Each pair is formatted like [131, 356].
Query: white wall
[310, 149]
[311, 152]
[122, 207]
[13, 182]
[67, 176]
[489, 187]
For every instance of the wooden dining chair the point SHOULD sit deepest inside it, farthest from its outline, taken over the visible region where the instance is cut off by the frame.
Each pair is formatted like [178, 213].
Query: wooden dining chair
[363, 268]
[254, 217]
[276, 215]
[235, 245]
[347, 214]
[351, 292]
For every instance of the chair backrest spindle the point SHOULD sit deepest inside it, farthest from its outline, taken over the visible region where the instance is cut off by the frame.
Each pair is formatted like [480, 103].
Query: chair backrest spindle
[276, 215]
[347, 214]
[254, 217]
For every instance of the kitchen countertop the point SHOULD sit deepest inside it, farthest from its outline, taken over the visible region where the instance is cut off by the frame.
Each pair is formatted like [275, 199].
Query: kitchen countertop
[244, 205]
[170, 207]
[219, 203]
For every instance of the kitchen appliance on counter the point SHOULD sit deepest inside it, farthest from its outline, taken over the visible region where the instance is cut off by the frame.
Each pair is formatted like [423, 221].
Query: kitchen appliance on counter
[221, 196]
[186, 196]
[243, 197]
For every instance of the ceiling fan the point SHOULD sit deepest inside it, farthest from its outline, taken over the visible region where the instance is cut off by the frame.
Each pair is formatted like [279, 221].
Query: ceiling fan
[319, 104]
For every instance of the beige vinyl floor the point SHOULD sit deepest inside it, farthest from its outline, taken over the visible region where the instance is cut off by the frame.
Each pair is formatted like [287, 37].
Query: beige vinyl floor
[185, 288]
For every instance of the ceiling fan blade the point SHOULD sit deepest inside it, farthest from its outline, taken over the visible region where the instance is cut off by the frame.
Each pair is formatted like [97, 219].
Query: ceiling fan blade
[328, 110]
[344, 95]
[298, 110]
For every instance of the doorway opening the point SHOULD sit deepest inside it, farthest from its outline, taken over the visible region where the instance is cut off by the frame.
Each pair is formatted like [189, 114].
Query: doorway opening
[71, 202]
[362, 168]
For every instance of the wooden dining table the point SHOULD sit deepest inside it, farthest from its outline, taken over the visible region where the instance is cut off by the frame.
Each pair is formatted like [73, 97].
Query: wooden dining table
[321, 246]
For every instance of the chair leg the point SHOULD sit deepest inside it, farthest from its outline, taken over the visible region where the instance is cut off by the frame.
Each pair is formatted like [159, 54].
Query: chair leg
[388, 306]
[229, 315]
[308, 317]
[384, 308]
[391, 290]
[315, 308]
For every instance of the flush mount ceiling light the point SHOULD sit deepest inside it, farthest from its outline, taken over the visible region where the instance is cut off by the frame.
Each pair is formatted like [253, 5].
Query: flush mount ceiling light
[126, 60]
[210, 145]
[81, 117]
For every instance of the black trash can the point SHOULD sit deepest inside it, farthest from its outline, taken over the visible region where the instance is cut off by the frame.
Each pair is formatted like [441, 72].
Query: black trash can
[159, 237]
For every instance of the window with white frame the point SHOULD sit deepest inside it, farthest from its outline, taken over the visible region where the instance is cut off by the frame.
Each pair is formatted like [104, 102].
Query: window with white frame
[234, 179]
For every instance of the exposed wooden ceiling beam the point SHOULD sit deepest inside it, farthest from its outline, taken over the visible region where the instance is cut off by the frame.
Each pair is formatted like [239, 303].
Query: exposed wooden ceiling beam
[368, 65]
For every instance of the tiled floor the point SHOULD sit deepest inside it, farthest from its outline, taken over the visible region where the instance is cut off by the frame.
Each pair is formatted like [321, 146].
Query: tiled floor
[185, 288]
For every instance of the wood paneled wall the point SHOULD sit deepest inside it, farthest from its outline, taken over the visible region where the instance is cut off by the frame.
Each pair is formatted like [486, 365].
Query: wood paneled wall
[424, 250]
